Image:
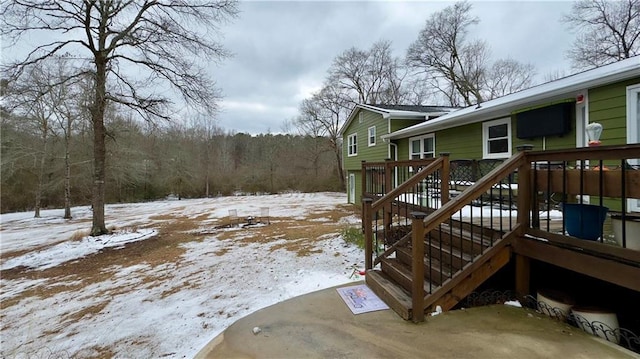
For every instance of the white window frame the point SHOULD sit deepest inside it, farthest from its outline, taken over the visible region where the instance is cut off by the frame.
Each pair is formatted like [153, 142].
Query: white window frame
[422, 150]
[582, 119]
[371, 137]
[485, 138]
[633, 133]
[360, 117]
[352, 145]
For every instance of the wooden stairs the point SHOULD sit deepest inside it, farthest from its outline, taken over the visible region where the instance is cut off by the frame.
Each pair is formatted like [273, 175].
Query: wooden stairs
[458, 257]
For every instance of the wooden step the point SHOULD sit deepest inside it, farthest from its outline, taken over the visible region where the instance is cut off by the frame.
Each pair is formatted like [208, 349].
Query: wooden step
[401, 274]
[446, 253]
[434, 271]
[396, 297]
[470, 240]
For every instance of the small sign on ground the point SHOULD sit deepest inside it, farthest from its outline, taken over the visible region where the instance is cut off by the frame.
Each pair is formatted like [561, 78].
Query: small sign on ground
[360, 299]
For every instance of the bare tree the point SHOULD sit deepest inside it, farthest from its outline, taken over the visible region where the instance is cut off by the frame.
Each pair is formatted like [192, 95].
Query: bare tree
[70, 103]
[33, 101]
[458, 68]
[323, 114]
[206, 130]
[608, 31]
[507, 76]
[368, 76]
[160, 42]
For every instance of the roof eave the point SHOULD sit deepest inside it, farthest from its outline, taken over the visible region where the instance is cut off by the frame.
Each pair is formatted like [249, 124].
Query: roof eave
[526, 97]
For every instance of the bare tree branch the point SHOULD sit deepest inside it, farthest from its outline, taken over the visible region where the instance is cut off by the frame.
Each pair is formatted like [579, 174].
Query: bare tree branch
[608, 31]
[166, 41]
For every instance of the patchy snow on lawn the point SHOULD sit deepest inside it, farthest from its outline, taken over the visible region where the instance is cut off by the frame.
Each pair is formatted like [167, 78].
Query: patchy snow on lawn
[141, 304]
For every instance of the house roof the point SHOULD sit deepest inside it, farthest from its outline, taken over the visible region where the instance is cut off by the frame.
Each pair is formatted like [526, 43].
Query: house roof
[569, 86]
[398, 112]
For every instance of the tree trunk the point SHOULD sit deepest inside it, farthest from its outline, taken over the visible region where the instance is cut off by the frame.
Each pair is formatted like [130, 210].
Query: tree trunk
[336, 151]
[99, 149]
[67, 171]
[39, 189]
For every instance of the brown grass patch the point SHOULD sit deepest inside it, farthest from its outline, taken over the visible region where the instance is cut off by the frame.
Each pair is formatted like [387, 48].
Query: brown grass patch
[94, 309]
[163, 248]
[78, 235]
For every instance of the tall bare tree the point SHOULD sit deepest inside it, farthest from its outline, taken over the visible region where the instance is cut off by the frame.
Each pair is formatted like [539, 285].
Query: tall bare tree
[507, 76]
[608, 31]
[459, 67]
[143, 47]
[34, 102]
[368, 76]
[323, 114]
[70, 106]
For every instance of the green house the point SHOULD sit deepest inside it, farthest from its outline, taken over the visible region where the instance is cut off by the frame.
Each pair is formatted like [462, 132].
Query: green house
[553, 115]
[363, 136]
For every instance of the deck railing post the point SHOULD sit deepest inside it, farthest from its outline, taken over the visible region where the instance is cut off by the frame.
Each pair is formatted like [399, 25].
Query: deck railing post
[445, 178]
[388, 170]
[363, 180]
[525, 191]
[368, 232]
[525, 198]
[417, 265]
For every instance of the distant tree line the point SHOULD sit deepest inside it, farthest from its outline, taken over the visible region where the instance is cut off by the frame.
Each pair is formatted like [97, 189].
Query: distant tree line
[147, 162]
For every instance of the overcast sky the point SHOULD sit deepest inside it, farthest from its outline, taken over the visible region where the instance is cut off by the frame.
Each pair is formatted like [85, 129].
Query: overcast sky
[282, 50]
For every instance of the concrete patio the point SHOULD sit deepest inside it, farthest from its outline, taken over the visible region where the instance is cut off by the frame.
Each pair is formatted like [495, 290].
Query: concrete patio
[320, 325]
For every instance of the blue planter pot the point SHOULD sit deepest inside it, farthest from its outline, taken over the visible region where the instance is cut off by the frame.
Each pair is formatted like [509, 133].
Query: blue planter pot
[584, 220]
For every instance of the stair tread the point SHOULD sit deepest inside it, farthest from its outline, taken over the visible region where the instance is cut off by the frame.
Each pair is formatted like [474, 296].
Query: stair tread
[405, 270]
[434, 262]
[476, 237]
[390, 292]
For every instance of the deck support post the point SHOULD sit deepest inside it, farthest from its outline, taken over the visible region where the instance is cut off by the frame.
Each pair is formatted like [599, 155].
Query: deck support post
[417, 266]
[444, 178]
[523, 274]
[368, 232]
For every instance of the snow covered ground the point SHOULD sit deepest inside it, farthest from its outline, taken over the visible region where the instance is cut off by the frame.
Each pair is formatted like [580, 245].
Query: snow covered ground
[169, 279]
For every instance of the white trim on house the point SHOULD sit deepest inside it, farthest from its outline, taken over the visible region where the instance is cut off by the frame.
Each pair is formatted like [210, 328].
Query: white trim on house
[352, 188]
[633, 132]
[352, 145]
[394, 114]
[633, 114]
[582, 119]
[486, 154]
[422, 151]
[560, 89]
[370, 137]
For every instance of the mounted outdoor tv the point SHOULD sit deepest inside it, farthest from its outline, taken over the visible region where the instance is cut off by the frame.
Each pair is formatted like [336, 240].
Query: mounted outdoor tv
[547, 121]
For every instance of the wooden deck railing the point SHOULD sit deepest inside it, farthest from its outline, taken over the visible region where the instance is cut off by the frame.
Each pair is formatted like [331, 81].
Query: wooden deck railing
[527, 195]
[571, 185]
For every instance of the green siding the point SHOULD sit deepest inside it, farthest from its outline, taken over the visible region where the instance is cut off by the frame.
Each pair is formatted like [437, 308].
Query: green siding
[608, 106]
[400, 124]
[465, 142]
[379, 152]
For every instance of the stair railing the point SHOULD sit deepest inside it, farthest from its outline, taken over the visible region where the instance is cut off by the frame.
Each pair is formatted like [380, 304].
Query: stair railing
[486, 211]
[396, 205]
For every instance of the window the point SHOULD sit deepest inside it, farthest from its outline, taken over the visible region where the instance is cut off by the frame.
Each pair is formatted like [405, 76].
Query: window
[352, 145]
[496, 138]
[372, 136]
[422, 147]
[360, 117]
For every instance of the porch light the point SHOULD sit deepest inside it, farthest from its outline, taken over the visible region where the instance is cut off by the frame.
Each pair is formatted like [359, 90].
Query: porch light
[594, 130]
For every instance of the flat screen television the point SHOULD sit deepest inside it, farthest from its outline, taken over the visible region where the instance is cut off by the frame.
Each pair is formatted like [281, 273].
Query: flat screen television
[547, 121]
